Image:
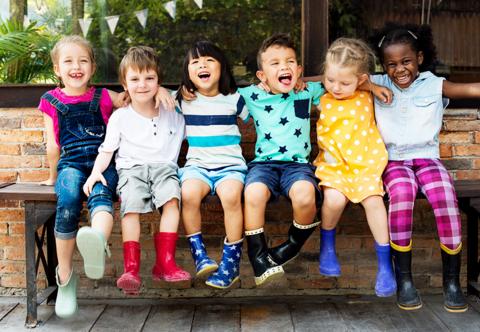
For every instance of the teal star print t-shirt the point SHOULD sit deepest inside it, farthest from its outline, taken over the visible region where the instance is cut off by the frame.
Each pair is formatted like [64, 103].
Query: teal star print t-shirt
[282, 122]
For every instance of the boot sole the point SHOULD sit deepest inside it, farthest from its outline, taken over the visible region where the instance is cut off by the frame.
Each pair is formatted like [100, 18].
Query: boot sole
[410, 308]
[206, 270]
[222, 287]
[329, 274]
[456, 310]
[271, 274]
[129, 287]
[92, 248]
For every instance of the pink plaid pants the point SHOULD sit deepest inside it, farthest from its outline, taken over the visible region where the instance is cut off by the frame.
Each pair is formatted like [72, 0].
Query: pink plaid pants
[402, 180]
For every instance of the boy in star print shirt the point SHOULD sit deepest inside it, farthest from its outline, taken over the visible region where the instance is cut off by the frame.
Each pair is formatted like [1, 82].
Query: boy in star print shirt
[281, 166]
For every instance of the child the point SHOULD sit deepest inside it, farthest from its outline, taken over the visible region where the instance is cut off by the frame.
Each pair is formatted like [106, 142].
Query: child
[148, 141]
[280, 167]
[214, 161]
[352, 157]
[410, 127]
[75, 117]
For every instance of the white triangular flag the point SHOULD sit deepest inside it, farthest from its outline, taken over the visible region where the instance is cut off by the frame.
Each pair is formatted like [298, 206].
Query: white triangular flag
[85, 25]
[199, 3]
[59, 22]
[142, 17]
[171, 8]
[112, 22]
[26, 21]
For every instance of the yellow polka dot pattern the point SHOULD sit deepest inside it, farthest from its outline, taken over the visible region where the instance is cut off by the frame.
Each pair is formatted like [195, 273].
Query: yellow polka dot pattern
[352, 153]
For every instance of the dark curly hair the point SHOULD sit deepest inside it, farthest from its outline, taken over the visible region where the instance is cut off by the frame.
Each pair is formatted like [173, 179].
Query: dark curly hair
[419, 37]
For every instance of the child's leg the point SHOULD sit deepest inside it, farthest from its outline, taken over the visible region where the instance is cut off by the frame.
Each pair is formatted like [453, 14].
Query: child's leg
[256, 197]
[193, 192]
[165, 245]
[230, 193]
[401, 186]
[92, 241]
[302, 194]
[334, 202]
[437, 185]
[385, 284]
[130, 281]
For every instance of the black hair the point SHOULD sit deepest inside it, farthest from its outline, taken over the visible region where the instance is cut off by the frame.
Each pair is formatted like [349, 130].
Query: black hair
[226, 84]
[278, 39]
[419, 37]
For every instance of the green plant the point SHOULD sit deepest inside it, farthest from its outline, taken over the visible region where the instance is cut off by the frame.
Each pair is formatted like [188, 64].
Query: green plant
[25, 53]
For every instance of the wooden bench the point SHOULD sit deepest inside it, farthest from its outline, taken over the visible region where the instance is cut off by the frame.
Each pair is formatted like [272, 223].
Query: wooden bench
[40, 204]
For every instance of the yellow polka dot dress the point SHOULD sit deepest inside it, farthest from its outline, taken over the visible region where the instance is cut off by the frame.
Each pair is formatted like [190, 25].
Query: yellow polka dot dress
[352, 153]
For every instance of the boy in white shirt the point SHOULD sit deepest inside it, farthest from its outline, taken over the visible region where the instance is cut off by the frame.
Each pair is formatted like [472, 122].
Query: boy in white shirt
[147, 141]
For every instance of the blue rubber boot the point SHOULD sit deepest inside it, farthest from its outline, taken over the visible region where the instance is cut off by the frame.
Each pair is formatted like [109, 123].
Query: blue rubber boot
[385, 285]
[203, 263]
[229, 270]
[328, 262]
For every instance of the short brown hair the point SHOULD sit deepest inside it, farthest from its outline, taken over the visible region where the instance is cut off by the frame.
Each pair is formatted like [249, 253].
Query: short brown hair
[278, 39]
[72, 39]
[140, 58]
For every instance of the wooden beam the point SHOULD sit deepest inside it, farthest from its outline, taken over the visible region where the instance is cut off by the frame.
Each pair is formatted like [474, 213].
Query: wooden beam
[314, 35]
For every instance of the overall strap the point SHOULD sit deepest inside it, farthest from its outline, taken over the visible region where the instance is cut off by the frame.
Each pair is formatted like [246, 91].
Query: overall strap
[61, 107]
[95, 100]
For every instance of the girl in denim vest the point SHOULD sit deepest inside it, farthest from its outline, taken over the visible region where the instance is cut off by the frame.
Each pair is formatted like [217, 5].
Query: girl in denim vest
[410, 127]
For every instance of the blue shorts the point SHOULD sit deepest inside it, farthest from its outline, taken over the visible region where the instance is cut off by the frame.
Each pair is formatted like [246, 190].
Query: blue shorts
[213, 177]
[279, 176]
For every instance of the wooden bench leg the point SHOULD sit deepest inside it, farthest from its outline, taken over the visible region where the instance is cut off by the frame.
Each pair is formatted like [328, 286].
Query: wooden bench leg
[31, 273]
[473, 265]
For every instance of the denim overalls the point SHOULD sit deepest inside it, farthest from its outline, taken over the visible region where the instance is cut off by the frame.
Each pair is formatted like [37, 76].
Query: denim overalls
[81, 131]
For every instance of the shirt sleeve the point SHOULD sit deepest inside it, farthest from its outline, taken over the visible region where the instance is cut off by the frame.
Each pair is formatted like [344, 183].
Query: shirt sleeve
[112, 137]
[377, 79]
[242, 110]
[316, 91]
[106, 105]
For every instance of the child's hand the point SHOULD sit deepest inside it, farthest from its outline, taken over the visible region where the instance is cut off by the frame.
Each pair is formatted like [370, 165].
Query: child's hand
[164, 97]
[300, 85]
[48, 182]
[382, 93]
[120, 99]
[92, 179]
[263, 86]
[188, 95]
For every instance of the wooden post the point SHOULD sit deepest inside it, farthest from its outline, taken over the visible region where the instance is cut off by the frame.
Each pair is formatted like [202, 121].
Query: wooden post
[18, 9]
[314, 35]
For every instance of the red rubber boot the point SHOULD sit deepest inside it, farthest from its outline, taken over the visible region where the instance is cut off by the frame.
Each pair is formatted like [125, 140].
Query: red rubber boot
[165, 267]
[130, 281]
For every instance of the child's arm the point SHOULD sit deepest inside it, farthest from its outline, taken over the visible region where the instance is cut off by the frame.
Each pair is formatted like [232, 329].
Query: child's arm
[101, 164]
[379, 91]
[460, 90]
[119, 99]
[164, 97]
[53, 151]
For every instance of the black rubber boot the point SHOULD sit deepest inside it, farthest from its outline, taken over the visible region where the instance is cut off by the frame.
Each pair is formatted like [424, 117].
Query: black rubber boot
[454, 300]
[407, 295]
[288, 250]
[264, 268]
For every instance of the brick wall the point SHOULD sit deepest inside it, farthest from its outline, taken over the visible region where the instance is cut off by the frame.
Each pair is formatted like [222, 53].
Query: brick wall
[22, 159]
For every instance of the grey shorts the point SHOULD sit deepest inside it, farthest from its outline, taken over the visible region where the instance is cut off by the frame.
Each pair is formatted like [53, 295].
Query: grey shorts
[144, 188]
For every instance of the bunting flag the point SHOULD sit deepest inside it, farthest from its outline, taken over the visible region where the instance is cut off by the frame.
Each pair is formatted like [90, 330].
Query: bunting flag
[171, 8]
[85, 25]
[142, 17]
[26, 21]
[59, 22]
[112, 22]
[199, 3]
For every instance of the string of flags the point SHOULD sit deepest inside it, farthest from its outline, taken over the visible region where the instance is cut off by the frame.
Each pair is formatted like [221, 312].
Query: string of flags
[112, 21]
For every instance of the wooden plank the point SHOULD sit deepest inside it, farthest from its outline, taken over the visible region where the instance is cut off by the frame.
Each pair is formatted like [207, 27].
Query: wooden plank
[6, 308]
[122, 318]
[28, 192]
[314, 317]
[273, 317]
[467, 188]
[82, 321]
[461, 322]
[212, 318]
[15, 320]
[174, 318]
[386, 316]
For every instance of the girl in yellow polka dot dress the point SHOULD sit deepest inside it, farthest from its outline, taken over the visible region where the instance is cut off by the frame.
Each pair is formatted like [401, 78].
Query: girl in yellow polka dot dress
[352, 157]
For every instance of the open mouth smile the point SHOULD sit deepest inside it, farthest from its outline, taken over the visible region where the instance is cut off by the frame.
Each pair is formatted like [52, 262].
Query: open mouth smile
[285, 79]
[204, 76]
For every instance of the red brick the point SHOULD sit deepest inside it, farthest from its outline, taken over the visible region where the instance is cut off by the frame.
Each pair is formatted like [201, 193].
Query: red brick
[21, 161]
[11, 241]
[461, 125]
[16, 280]
[16, 228]
[467, 150]
[455, 137]
[8, 176]
[3, 228]
[15, 253]
[476, 163]
[312, 283]
[33, 122]
[10, 122]
[12, 215]
[446, 151]
[9, 149]
[468, 175]
[9, 204]
[21, 136]
[33, 175]
[12, 267]
[477, 137]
